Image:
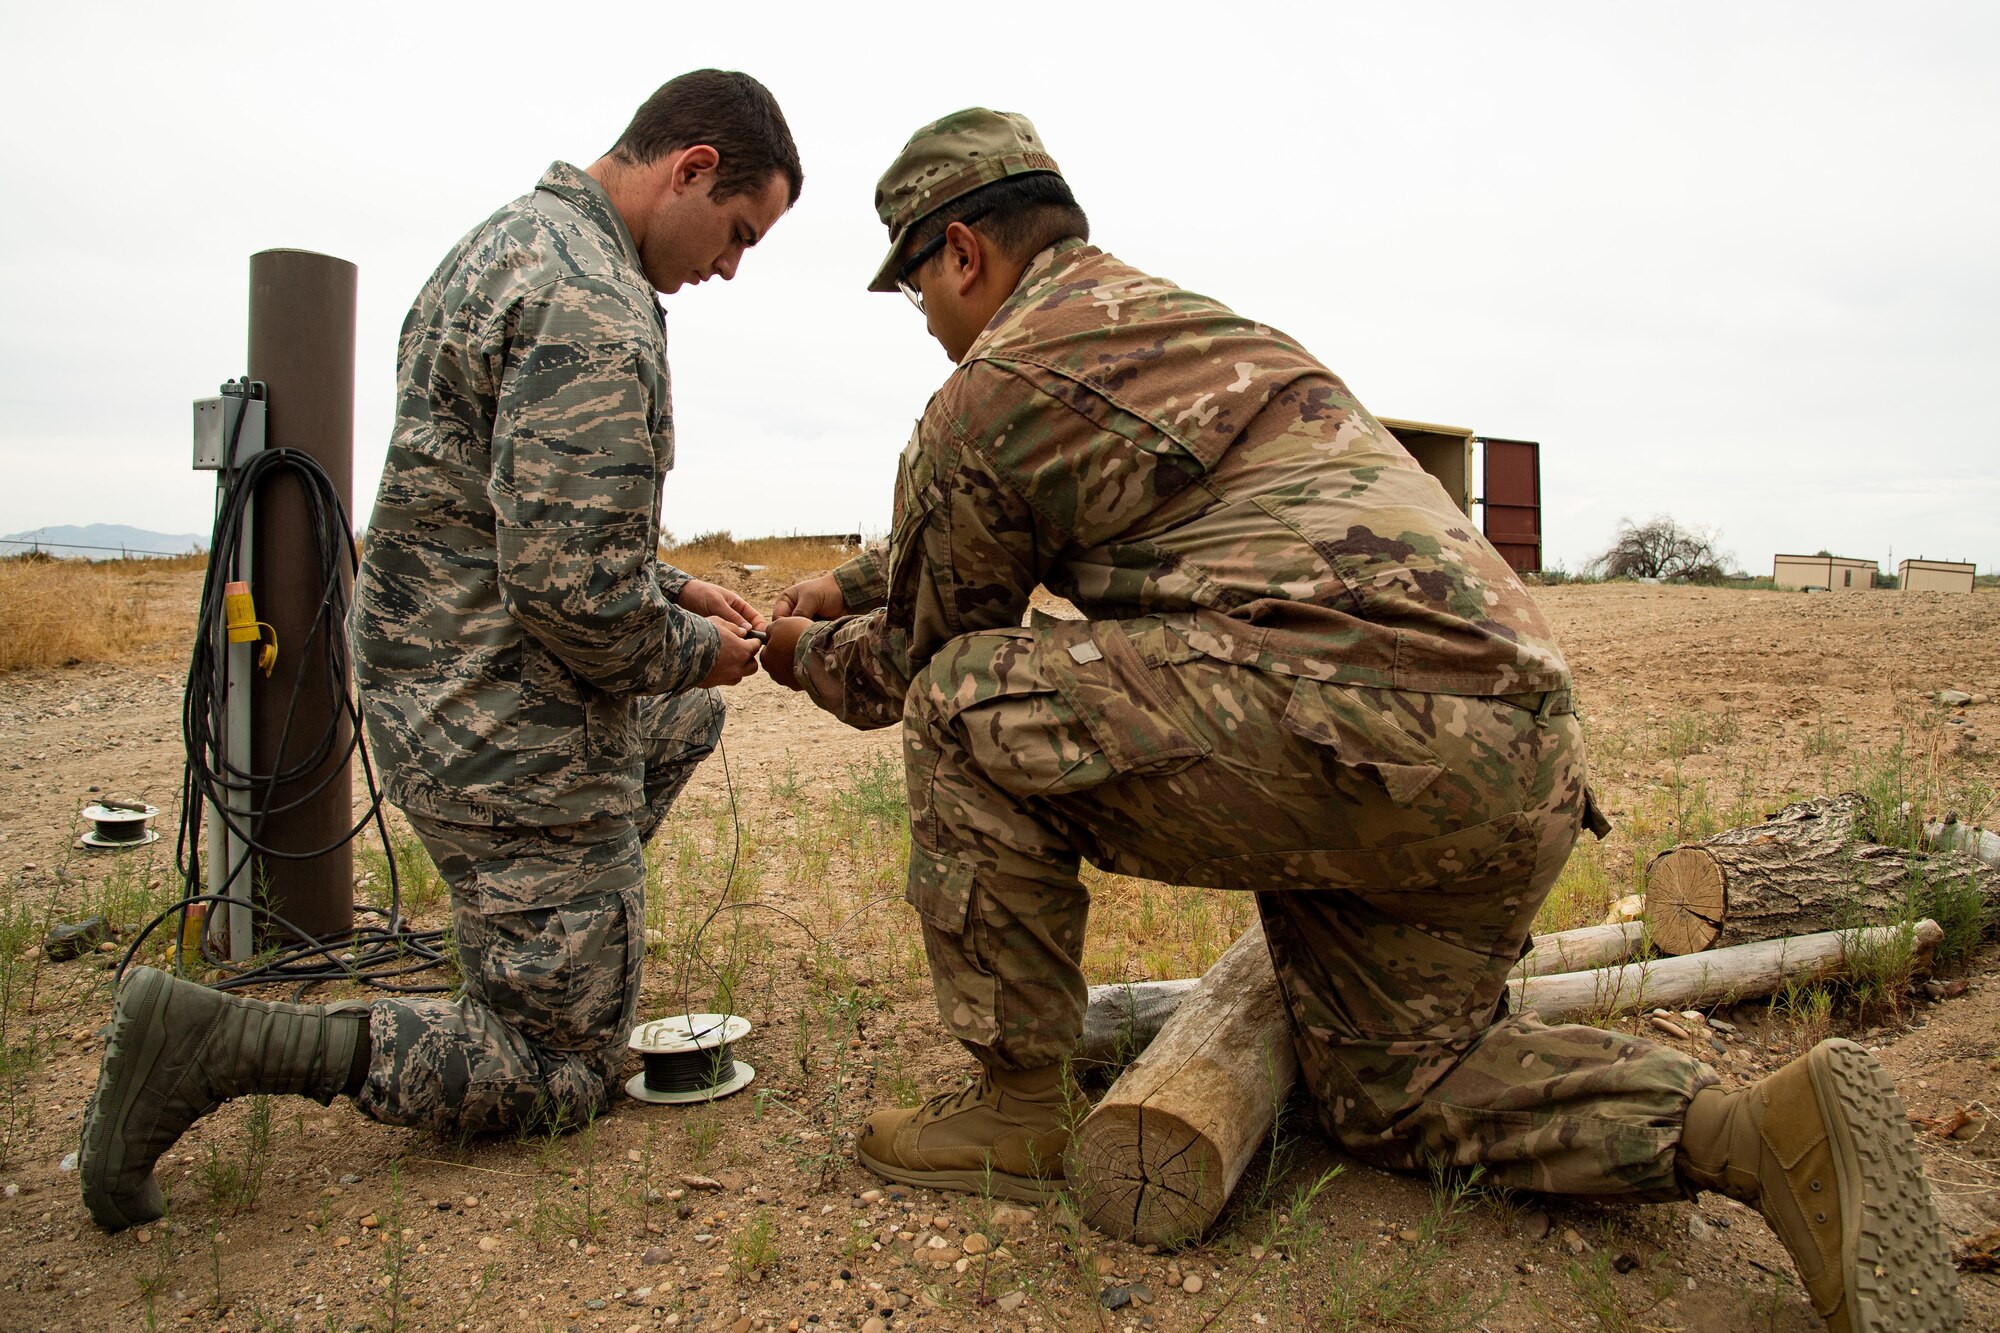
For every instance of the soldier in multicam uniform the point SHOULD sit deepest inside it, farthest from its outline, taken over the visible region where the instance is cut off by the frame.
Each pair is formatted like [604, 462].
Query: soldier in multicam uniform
[1301, 673]
[537, 685]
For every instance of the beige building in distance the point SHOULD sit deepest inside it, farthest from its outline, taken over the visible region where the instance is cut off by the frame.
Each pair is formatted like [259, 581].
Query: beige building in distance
[1838, 573]
[1934, 576]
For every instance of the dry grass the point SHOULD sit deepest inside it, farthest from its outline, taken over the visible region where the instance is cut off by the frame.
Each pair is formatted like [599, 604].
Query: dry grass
[721, 558]
[56, 613]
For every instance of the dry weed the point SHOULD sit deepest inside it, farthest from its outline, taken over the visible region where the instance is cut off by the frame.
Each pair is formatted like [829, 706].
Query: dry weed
[57, 613]
[719, 557]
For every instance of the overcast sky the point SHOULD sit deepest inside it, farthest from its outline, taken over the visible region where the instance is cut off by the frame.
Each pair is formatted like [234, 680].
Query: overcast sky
[1734, 262]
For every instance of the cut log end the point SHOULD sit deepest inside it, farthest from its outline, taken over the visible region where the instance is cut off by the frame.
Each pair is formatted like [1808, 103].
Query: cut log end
[1152, 1178]
[1686, 900]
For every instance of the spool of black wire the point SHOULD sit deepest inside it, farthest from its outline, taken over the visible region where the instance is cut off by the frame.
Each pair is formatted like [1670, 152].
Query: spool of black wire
[689, 1058]
[118, 825]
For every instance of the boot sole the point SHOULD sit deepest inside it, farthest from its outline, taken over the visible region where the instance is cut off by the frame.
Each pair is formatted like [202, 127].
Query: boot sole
[998, 1184]
[1896, 1270]
[137, 1037]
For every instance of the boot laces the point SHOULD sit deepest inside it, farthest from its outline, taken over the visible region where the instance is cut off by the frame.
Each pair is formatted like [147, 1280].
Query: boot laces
[947, 1102]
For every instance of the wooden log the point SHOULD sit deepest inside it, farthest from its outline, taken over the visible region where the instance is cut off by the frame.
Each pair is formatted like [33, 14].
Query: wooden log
[1124, 1017]
[1807, 868]
[1718, 976]
[1980, 844]
[1156, 1160]
[1573, 950]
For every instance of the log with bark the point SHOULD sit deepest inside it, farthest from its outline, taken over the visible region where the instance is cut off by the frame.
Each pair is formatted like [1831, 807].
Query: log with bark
[1157, 1158]
[1809, 867]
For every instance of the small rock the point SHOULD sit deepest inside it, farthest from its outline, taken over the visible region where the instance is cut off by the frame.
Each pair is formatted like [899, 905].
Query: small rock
[1721, 1025]
[874, 1324]
[1625, 1263]
[871, 1196]
[976, 1244]
[701, 1182]
[1012, 1218]
[1407, 1236]
[13, 1191]
[1103, 1265]
[350, 1179]
[1573, 1240]
[1143, 1293]
[593, 1304]
[1191, 1284]
[1698, 1228]
[1115, 1298]
[67, 1164]
[1012, 1301]
[340, 1242]
[1694, 1016]
[653, 1256]
[1535, 1226]
[1668, 1026]
[76, 938]
[486, 1243]
[1953, 698]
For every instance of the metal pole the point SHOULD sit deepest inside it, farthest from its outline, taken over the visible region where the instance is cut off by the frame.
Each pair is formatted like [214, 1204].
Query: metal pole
[302, 346]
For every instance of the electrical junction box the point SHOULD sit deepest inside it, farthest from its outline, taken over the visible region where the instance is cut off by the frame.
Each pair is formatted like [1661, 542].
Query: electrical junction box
[236, 415]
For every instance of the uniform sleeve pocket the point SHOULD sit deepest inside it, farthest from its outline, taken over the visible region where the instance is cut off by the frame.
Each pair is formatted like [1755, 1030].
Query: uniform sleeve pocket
[940, 889]
[1340, 718]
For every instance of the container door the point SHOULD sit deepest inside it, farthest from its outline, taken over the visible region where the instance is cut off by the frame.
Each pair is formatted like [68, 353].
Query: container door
[1513, 485]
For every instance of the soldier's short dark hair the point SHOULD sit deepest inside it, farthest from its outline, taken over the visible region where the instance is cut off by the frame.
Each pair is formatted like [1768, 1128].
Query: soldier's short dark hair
[731, 113]
[1022, 215]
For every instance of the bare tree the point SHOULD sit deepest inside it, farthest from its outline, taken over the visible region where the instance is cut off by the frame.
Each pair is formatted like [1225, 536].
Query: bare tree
[1660, 548]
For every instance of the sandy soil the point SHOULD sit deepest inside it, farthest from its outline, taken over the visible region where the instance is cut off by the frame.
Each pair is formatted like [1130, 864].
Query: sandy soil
[652, 1220]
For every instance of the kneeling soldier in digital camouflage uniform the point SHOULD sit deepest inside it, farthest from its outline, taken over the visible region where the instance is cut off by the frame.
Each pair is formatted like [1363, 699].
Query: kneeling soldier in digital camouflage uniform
[1302, 674]
[537, 686]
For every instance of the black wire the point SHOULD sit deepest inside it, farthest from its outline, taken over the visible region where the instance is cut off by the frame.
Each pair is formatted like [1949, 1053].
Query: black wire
[373, 955]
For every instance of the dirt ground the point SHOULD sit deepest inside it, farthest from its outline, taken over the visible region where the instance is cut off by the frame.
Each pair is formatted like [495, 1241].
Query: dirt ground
[750, 1214]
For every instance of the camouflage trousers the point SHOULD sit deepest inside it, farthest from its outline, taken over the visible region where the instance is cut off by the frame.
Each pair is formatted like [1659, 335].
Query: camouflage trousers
[549, 925]
[1398, 843]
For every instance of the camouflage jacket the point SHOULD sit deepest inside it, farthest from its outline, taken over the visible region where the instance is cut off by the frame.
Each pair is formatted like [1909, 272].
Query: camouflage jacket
[511, 607]
[1143, 451]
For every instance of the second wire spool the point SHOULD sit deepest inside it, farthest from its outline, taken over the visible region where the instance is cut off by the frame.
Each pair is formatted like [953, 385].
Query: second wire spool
[688, 1059]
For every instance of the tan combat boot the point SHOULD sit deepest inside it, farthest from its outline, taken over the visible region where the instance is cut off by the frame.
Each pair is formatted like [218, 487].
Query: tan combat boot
[176, 1052]
[1004, 1134]
[1822, 1148]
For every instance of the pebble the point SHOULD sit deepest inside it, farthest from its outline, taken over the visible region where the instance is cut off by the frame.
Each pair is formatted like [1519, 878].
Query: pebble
[701, 1182]
[1115, 1298]
[874, 1324]
[1536, 1225]
[871, 1196]
[1668, 1026]
[654, 1255]
[1191, 1284]
[1011, 1217]
[1573, 1240]
[977, 1244]
[1721, 1025]
[350, 1179]
[1625, 1263]
[486, 1243]
[1698, 1228]
[1012, 1301]
[1407, 1236]
[1142, 1293]
[67, 1164]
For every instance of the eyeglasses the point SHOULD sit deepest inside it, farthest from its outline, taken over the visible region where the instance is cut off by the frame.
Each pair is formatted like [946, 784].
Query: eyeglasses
[923, 256]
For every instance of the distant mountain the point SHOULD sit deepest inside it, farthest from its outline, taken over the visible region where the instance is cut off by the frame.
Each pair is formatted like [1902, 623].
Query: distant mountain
[101, 541]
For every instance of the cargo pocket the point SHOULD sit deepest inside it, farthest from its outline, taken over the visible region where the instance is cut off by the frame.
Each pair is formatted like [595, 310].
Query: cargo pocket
[942, 890]
[1362, 740]
[1109, 687]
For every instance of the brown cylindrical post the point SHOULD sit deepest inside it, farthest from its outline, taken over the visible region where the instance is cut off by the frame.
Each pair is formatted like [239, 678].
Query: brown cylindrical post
[302, 346]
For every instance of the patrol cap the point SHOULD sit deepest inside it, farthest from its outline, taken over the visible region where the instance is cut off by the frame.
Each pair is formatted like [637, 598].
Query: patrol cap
[946, 160]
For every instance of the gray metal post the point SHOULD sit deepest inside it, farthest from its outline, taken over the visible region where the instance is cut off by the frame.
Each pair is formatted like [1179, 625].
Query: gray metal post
[302, 346]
